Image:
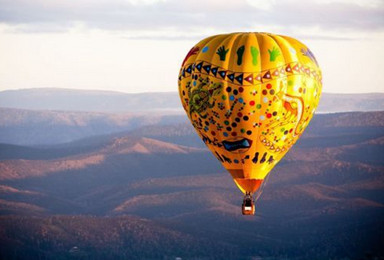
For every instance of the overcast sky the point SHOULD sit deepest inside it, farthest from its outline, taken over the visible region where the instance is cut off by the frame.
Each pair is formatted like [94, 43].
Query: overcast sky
[138, 45]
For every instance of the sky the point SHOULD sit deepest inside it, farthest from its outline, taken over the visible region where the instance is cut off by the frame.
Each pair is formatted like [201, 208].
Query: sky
[138, 45]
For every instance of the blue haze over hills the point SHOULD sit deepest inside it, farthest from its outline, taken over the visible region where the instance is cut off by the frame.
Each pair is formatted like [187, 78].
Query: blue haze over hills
[139, 184]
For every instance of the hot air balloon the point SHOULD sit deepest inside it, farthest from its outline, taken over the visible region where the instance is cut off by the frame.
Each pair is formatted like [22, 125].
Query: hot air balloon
[249, 96]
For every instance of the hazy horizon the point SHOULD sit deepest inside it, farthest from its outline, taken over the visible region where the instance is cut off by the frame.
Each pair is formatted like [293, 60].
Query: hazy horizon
[150, 92]
[138, 45]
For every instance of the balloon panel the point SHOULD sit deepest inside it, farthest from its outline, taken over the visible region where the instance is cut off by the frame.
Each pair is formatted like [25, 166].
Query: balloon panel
[249, 96]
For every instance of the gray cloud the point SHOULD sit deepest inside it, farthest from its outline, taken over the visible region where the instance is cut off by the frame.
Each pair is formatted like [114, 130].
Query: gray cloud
[182, 16]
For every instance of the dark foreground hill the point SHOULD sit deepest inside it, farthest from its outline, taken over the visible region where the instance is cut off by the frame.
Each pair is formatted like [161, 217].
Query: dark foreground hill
[88, 237]
[151, 195]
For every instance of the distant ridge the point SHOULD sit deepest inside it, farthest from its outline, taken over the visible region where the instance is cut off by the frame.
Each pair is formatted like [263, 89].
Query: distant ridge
[110, 101]
[330, 103]
[31, 127]
[88, 100]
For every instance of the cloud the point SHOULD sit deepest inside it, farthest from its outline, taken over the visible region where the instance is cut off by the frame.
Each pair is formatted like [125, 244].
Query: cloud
[145, 2]
[265, 5]
[135, 17]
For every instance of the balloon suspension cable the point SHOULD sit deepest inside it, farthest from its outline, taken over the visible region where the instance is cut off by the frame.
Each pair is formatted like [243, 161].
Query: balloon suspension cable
[261, 188]
[248, 196]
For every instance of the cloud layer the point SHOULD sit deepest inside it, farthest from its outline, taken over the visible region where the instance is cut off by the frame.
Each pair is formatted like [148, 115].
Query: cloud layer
[142, 18]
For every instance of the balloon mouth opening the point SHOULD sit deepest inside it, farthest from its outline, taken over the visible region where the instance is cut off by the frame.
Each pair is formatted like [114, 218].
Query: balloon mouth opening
[248, 185]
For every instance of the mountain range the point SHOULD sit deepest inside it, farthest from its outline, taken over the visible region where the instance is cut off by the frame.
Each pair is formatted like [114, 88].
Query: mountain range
[155, 192]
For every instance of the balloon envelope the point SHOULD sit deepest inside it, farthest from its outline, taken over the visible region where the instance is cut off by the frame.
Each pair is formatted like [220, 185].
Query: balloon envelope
[249, 96]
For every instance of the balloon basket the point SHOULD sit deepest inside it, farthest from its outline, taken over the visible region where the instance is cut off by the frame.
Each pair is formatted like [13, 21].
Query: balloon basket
[248, 206]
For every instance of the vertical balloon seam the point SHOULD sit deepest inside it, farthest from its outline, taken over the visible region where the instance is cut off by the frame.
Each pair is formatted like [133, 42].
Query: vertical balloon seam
[231, 38]
[260, 41]
[258, 97]
[214, 49]
[266, 168]
[317, 81]
[195, 59]
[235, 43]
[296, 79]
[251, 42]
[303, 79]
[285, 90]
[241, 70]
[214, 44]
[212, 57]
[248, 168]
[248, 43]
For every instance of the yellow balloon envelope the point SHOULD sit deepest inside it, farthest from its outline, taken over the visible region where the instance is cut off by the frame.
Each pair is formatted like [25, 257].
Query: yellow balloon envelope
[249, 96]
